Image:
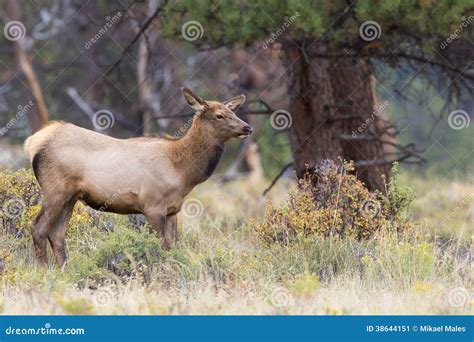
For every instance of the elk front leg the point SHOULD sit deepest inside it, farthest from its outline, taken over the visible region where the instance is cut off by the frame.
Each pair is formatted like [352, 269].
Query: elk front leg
[171, 229]
[162, 226]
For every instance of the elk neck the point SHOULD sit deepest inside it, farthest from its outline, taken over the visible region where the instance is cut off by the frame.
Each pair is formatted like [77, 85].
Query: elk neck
[197, 154]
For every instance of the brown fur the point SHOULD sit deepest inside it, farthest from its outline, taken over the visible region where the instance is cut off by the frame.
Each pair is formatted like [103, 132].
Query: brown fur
[126, 176]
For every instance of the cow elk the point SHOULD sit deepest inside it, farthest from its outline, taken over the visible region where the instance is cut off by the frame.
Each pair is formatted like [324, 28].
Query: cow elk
[147, 175]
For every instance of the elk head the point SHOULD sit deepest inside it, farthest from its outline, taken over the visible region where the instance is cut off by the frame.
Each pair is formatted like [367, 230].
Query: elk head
[218, 118]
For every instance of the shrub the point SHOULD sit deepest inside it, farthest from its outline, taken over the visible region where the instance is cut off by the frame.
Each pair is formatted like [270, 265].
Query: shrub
[122, 251]
[305, 285]
[74, 306]
[333, 202]
[20, 196]
[19, 203]
[397, 200]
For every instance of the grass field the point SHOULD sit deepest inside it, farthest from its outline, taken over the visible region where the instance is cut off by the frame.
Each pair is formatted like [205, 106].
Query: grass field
[222, 266]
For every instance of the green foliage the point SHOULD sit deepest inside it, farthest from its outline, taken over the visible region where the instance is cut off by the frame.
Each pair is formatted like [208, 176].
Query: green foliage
[305, 285]
[127, 248]
[245, 22]
[398, 198]
[75, 306]
[123, 251]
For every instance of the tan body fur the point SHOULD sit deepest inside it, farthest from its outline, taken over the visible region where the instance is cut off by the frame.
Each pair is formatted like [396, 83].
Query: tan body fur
[126, 176]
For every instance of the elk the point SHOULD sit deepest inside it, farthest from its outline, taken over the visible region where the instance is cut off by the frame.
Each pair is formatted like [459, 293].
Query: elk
[146, 175]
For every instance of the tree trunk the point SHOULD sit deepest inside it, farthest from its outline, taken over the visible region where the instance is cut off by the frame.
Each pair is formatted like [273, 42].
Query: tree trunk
[144, 87]
[329, 99]
[13, 12]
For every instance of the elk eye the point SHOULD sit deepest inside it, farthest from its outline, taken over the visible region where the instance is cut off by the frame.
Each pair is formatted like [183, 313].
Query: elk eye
[220, 117]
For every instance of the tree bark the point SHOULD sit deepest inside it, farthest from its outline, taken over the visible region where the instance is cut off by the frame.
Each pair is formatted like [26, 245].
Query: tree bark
[329, 100]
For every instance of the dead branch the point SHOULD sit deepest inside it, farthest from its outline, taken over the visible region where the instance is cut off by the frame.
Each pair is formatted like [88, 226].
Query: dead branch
[137, 37]
[278, 176]
[89, 111]
[262, 102]
[83, 105]
[383, 161]
[400, 55]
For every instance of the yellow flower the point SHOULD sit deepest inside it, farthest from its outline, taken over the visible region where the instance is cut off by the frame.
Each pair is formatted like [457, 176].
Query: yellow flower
[420, 287]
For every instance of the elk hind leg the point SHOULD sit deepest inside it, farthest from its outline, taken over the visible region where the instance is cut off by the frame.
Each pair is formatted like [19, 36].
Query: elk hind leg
[39, 234]
[57, 234]
[41, 226]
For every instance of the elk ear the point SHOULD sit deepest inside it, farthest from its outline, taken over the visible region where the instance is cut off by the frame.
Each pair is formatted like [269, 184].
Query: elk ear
[192, 99]
[235, 103]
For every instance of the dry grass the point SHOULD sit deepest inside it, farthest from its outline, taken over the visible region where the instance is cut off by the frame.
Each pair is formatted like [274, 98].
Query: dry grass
[221, 266]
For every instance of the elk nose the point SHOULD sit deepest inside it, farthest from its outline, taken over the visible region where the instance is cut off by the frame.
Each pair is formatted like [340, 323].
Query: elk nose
[248, 130]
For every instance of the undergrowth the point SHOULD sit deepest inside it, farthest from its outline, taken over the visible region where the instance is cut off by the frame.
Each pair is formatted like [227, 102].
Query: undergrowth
[303, 251]
[333, 202]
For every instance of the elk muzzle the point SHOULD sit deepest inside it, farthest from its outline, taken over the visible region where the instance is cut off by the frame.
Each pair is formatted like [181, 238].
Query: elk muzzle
[245, 132]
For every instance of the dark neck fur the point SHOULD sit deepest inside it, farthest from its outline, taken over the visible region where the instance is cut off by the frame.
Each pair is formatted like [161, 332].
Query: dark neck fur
[197, 154]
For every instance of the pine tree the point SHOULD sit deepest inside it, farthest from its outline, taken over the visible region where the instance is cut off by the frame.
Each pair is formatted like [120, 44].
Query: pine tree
[332, 51]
